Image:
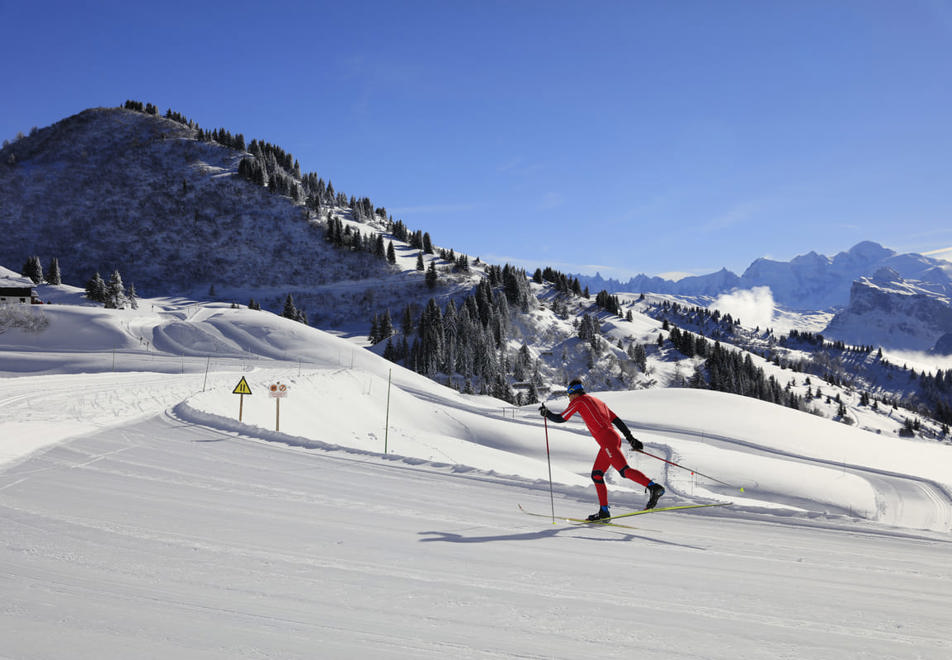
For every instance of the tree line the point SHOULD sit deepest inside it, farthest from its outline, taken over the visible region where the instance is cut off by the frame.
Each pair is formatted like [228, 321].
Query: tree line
[113, 294]
[466, 342]
[33, 269]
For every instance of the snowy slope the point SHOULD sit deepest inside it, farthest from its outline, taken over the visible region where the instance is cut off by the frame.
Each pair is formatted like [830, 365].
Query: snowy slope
[141, 519]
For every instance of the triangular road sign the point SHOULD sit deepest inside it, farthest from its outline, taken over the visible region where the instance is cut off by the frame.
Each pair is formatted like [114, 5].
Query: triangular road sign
[242, 387]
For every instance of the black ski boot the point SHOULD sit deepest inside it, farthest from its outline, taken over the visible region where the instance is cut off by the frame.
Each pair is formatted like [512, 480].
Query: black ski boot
[599, 516]
[656, 490]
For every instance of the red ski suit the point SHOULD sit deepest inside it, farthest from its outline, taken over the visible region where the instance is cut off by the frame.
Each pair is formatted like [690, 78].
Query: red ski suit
[599, 419]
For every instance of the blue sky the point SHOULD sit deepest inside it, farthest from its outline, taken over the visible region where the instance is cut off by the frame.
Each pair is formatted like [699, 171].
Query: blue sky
[622, 137]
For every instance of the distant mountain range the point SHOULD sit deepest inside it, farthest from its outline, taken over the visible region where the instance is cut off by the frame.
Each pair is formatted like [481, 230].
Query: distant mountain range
[807, 282]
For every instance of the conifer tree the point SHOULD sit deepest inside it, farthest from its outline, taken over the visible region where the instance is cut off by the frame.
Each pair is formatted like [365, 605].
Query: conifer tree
[386, 326]
[640, 357]
[96, 289]
[374, 335]
[115, 291]
[290, 311]
[33, 269]
[131, 295]
[53, 275]
[407, 324]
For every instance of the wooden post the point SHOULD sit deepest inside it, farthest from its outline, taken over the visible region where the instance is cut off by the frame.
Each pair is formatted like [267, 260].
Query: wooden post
[386, 428]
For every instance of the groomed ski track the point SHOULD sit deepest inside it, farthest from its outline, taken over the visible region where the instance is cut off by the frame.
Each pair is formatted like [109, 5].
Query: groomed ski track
[931, 502]
[161, 538]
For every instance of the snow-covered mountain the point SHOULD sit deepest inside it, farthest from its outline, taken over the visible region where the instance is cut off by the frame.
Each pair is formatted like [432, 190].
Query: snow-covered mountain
[888, 310]
[807, 282]
[163, 202]
[117, 189]
[140, 518]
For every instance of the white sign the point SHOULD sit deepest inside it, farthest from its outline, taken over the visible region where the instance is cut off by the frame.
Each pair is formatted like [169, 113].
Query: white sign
[278, 390]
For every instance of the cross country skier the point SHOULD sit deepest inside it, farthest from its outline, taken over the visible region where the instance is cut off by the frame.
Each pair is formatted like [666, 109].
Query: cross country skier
[599, 419]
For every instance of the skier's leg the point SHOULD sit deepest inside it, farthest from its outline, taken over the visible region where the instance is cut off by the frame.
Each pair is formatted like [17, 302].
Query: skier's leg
[602, 461]
[618, 462]
[637, 476]
[655, 490]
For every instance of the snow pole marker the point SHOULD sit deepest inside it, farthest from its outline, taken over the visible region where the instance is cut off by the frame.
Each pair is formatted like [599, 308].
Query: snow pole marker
[386, 424]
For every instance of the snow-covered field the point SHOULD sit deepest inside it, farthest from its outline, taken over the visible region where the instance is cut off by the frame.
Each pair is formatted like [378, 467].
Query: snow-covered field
[140, 519]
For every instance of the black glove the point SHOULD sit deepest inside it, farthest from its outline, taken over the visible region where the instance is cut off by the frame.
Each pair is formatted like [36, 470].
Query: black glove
[543, 411]
[635, 443]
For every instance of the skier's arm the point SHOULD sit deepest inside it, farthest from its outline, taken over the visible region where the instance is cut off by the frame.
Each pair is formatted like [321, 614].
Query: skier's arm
[549, 415]
[635, 443]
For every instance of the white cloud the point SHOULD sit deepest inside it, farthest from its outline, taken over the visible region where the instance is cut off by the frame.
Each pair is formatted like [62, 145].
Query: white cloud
[754, 307]
[944, 253]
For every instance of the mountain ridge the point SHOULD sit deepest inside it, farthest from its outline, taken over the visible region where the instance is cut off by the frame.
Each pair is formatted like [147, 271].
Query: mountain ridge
[120, 188]
[809, 281]
[113, 186]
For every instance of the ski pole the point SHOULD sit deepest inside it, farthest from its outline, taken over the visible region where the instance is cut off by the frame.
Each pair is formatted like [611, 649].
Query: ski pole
[692, 470]
[548, 457]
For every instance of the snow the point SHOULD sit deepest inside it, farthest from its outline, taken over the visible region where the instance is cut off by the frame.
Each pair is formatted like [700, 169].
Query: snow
[140, 518]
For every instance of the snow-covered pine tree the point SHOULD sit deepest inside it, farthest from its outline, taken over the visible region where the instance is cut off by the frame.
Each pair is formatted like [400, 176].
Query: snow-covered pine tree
[96, 289]
[33, 269]
[290, 311]
[53, 275]
[131, 295]
[115, 291]
[374, 336]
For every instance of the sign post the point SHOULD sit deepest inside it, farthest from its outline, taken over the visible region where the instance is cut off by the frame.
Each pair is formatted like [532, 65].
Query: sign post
[277, 391]
[242, 389]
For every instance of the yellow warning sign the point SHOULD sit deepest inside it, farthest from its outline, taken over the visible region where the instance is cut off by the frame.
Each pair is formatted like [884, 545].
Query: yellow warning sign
[242, 387]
